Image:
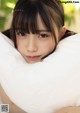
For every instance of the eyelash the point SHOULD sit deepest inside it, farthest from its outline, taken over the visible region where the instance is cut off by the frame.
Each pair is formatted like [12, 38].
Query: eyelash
[21, 33]
[43, 35]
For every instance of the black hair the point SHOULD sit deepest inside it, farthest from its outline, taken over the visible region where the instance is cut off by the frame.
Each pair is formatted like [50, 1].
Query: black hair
[25, 16]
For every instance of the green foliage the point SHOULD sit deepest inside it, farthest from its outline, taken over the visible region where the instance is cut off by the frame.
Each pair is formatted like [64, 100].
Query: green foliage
[6, 8]
[69, 11]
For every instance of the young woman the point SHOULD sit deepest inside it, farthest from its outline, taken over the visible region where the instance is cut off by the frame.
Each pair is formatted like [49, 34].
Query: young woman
[37, 27]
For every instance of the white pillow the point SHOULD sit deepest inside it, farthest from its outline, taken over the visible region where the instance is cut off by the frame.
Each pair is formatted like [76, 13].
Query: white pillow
[46, 86]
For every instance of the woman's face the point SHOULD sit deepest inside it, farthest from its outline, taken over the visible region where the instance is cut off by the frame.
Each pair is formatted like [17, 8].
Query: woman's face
[34, 47]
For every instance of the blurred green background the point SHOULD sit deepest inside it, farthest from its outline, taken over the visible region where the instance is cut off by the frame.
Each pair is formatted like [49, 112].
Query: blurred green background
[71, 10]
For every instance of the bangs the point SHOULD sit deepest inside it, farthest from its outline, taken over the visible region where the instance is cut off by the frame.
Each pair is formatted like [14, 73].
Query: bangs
[25, 20]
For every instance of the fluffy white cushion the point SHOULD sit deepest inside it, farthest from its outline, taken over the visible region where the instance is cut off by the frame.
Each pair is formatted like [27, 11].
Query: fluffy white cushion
[45, 86]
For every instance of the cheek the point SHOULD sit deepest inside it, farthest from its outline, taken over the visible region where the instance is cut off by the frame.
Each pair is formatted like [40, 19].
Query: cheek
[48, 46]
[20, 46]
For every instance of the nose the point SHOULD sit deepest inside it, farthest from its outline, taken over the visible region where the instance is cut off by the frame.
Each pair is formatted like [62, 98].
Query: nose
[32, 44]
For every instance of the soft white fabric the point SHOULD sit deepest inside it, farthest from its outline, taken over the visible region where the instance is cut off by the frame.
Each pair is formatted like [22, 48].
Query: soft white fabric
[45, 86]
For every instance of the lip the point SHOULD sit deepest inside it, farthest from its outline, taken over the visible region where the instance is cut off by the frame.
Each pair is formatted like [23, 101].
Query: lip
[33, 58]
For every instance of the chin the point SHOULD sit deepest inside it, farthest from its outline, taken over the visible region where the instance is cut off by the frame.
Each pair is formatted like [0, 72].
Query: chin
[32, 62]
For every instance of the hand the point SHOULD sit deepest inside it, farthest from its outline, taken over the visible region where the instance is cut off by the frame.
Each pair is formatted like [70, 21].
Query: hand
[70, 109]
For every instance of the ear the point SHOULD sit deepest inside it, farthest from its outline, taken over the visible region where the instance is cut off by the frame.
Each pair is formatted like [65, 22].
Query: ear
[62, 31]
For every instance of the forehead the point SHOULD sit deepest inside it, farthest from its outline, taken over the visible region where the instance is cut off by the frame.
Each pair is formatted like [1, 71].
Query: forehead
[40, 23]
[31, 20]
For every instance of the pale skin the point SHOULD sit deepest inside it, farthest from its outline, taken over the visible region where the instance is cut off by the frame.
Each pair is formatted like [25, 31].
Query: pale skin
[36, 46]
